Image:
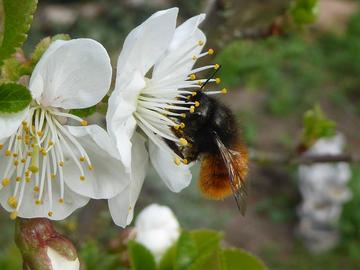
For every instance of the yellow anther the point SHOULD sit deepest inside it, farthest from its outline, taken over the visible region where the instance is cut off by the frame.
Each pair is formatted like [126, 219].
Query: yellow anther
[50, 213]
[193, 94]
[182, 125]
[199, 83]
[38, 202]
[19, 137]
[27, 173]
[12, 202]
[211, 51]
[1, 146]
[51, 143]
[5, 182]
[185, 161]
[61, 200]
[200, 42]
[192, 77]
[24, 123]
[183, 141]
[82, 158]
[15, 155]
[29, 154]
[33, 168]
[224, 91]
[18, 179]
[16, 162]
[36, 189]
[53, 176]
[218, 80]
[192, 109]
[82, 177]
[183, 115]
[194, 57]
[40, 133]
[84, 123]
[197, 104]
[177, 161]
[91, 167]
[61, 163]
[27, 179]
[177, 127]
[216, 66]
[13, 215]
[23, 160]
[43, 151]
[8, 153]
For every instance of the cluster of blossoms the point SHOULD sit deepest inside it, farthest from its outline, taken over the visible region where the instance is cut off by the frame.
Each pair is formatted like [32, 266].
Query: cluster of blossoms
[52, 162]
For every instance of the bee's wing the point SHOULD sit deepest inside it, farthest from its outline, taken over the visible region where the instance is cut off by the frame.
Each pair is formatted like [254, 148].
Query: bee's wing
[237, 182]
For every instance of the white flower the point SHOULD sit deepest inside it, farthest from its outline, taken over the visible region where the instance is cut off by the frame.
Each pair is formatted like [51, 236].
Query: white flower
[59, 262]
[49, 169]
[157, 229]
[155, 78]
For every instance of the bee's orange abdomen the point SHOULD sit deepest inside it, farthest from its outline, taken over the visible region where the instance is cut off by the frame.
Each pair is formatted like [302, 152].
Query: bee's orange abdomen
[214, 181]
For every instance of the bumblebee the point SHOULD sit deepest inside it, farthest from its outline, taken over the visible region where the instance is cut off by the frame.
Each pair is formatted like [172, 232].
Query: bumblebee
[214, 138]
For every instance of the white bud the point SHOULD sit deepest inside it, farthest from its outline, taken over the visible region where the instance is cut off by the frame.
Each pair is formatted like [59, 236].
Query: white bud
[59, 262]
[157, 229]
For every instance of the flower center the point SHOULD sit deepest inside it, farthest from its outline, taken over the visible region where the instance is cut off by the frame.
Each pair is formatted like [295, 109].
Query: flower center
[35, 153]
[164, 103]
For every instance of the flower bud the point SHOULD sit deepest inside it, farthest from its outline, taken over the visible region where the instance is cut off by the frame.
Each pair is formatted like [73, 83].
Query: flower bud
[157, 229]
[43, 248]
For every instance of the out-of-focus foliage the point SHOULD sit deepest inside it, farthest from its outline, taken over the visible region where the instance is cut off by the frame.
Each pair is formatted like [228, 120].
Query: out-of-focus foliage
[16, 23]
[316, 126]
[304, 11]
[350, 221]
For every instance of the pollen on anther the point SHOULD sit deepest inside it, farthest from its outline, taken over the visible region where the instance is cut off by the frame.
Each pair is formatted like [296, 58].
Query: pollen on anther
[177, 127]
[38, 202]
[211, 51]
[91, 167]
[53, 176]
[200, 42]
[16, 162]
[12, 202]
[192, 109]
[61, 200]
[8, 153]
[5, 182]
[197, 104]
[182, 125]
[177, 161]
[194, 57]
[84, 123]
[185, 161]
[218, 80]
[33, 168]
[18, 179]
[23, 160]
[216, 66]
[13, 215]
[193, 94]
[50, 213]
[36, 189]
[82, 177]
[40, 133]
[51, 143]
[192, 77]
[82, 158]
[61, 163]
[183, 115]
[224, 91]
[183, 141]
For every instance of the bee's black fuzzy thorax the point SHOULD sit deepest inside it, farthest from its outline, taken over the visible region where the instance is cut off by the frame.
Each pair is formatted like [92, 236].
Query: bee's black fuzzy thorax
[210, 118]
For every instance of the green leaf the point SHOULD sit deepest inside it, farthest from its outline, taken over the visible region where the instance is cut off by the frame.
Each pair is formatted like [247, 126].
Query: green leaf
[17, 21]
[83, 112]
[14, 98]
[304, 11]
[140, 257]
[186, 251]
[241, 260]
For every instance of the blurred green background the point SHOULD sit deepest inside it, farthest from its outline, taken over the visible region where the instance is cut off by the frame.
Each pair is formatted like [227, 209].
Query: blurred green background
[272, 82]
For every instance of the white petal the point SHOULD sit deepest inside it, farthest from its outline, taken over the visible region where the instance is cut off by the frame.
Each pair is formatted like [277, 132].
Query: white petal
[107, 178]
[10, 122]
[120, 121]
[175, 177]
[74, 74]
[146, 43]
[29, 209]
[122, 206]
[59, 262]
[182, 48]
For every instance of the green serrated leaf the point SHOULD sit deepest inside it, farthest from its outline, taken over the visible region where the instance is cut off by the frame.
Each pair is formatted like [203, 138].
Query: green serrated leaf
[186, 251]
[241, 260]
[140, 257]
[18, 16]
[83, 112]
[14, 98]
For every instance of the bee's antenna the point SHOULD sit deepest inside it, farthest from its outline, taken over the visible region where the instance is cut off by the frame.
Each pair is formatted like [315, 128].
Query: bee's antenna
[212, 76]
